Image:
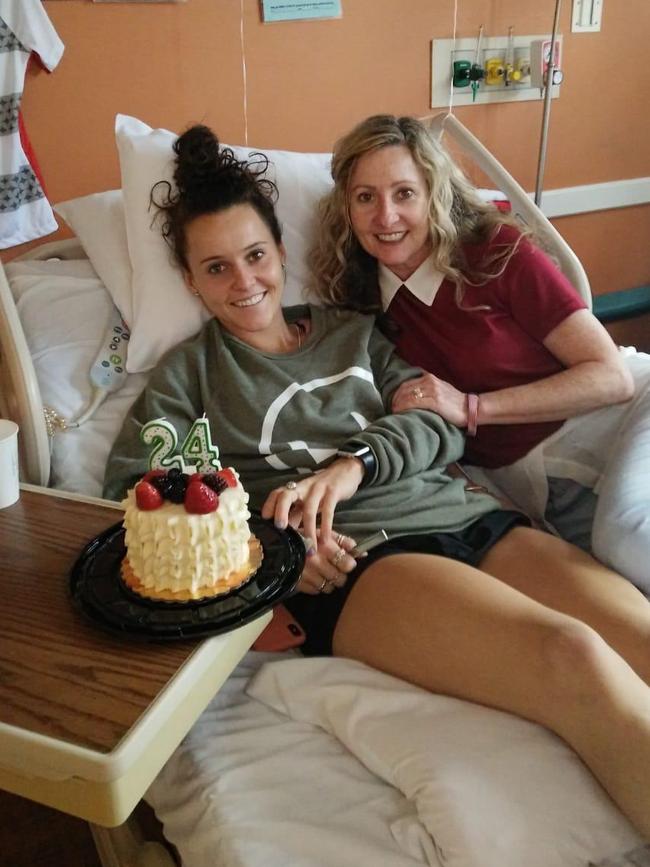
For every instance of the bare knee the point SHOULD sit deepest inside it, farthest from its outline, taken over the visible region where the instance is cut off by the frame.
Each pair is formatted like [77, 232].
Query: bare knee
[576, 660]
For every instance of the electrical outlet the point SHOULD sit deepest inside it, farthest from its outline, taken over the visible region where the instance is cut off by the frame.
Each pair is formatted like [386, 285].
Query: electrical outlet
[587, 16]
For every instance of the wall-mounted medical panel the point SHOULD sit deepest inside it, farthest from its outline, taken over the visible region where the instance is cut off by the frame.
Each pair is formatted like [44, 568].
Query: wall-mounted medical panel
[496, 69]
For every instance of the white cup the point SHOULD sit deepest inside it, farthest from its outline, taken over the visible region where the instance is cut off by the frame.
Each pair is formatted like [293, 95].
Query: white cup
[9, 491]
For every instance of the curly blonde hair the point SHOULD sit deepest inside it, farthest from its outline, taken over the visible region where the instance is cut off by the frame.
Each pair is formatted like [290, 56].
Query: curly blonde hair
[345, 275]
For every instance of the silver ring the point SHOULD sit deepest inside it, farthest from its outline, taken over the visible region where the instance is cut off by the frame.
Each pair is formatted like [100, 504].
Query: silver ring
[340, 539]
[417, 392]
[323, 585]
[336, 559]
[291, 485]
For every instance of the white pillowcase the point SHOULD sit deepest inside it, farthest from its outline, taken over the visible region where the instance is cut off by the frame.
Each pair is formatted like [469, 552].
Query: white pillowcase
[250, 786]
[98, 222]
[491, 788]
[164, 311]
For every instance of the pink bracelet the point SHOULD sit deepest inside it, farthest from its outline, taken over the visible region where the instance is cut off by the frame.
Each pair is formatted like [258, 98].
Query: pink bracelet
[472, 414]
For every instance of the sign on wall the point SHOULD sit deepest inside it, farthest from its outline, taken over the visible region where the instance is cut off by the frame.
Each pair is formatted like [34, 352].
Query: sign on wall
[139, 1]
[300, 10]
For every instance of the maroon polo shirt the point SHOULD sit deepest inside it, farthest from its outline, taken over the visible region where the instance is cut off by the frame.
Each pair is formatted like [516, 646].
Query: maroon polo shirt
[480, 350]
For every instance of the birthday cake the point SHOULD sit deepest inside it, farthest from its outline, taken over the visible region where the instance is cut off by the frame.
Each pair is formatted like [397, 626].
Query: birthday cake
[187, 535]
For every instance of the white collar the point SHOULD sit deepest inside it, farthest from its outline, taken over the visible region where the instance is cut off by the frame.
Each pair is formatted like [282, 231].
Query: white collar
[424, 283]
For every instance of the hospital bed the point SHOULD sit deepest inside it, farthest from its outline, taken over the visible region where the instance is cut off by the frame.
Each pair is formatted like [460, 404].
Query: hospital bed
[303, 761]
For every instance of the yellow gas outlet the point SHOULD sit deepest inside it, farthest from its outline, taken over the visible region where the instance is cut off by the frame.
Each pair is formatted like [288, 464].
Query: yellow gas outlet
[522, 66]
[512, 75]
[494, 70]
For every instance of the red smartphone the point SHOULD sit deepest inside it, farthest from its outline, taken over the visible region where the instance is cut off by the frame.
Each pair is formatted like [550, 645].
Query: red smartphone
[282, 633]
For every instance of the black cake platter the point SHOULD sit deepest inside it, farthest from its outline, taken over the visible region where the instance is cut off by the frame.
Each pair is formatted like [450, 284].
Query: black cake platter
[99, 593]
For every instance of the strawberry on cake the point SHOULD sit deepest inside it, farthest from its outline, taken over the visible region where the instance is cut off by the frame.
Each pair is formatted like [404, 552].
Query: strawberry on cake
[187, 535]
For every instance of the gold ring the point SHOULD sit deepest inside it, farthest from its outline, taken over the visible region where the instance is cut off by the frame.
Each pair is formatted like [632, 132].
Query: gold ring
[323, 585]
[339, 539]
[291, 486]
[336, 559]
[417, 392]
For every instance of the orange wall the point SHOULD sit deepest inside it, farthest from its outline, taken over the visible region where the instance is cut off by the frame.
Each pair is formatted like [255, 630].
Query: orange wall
[308, 82]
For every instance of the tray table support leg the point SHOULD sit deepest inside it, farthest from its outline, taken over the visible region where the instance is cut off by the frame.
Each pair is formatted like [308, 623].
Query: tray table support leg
[125, 846]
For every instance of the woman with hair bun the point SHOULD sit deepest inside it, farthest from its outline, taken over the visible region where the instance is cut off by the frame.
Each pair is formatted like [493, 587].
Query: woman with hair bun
[510, 351]
[298, 402]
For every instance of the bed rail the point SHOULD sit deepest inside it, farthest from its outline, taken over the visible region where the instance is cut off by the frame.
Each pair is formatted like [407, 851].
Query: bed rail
[20, 396]
[523, 208]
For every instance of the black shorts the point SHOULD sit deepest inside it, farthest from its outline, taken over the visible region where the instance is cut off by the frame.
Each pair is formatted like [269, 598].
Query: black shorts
[319, 614]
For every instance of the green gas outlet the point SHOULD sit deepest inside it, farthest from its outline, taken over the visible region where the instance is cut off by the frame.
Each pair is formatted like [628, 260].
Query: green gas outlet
[461, 73]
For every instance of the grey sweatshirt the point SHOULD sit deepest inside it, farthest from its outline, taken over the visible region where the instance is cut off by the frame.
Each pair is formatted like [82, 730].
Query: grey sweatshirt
[277, 417]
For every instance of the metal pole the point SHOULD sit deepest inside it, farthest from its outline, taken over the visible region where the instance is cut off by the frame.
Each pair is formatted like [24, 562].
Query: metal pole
[548, 92]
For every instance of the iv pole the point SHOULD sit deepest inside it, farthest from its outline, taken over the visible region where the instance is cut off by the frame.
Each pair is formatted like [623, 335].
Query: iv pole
[548, 92]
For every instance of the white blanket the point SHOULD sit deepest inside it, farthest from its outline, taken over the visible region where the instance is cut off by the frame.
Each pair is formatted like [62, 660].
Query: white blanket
[493, 790]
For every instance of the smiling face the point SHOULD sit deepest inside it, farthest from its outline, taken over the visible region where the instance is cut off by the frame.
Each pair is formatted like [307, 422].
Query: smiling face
[235, 265]
[388, 206]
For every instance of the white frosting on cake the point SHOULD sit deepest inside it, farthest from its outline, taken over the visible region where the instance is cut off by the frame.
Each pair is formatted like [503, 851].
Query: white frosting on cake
[171, 549]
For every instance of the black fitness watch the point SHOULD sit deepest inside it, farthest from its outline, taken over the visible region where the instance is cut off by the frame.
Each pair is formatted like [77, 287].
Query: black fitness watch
[367, 457]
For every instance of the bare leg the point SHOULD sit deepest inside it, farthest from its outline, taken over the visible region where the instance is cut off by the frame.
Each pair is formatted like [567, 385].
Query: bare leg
[563, 577]
[455, 630]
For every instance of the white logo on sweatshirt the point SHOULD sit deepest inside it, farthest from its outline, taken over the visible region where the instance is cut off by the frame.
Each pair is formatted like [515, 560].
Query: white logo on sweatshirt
[317, 454]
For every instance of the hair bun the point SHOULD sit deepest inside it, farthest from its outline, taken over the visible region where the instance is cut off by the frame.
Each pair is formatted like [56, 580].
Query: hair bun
[197, 158]
[209, 178]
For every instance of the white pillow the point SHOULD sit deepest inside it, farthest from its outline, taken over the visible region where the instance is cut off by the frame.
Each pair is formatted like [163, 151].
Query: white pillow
[98, 222]
[258, 788]
[491, 788]
[164, 312]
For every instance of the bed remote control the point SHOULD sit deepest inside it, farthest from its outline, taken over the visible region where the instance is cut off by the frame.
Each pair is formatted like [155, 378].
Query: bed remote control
[109, 368]
[108, 372]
